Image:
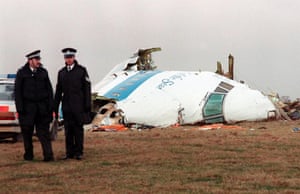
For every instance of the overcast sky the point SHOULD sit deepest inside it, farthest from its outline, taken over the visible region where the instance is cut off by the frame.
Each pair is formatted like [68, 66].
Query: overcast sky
[262, 35]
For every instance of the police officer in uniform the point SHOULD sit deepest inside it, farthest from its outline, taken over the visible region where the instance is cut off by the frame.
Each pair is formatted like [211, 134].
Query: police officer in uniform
[34, 103]
[73, 89]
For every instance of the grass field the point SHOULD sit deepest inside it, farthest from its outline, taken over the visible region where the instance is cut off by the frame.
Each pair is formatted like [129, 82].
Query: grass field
[264, 157]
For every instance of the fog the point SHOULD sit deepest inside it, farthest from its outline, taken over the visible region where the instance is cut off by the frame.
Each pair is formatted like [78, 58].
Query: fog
[262, 35]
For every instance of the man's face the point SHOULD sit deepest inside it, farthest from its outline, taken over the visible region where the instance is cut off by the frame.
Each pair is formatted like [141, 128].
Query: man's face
[35, 62]
[69, 60]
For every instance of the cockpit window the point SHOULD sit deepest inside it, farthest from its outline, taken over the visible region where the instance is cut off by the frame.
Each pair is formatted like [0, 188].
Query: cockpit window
[213, 108]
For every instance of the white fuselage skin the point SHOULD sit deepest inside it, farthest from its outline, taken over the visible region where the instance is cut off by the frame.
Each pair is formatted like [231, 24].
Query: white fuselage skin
[164, 98]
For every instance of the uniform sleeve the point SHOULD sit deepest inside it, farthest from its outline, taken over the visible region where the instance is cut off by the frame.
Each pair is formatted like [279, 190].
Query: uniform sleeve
[18, 93]
[87, 92]
[50, 95]
[58, 93]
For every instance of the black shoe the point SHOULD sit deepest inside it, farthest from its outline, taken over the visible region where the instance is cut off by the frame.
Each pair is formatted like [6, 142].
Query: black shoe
[28, 157]
[48, 159]
[67, 157]
[78, 157]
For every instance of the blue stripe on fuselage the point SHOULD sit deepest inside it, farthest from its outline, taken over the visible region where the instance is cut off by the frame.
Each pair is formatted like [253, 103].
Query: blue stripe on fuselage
[125, 88]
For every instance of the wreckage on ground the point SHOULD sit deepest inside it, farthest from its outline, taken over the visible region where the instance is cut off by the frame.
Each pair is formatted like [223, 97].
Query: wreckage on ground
[135, 92]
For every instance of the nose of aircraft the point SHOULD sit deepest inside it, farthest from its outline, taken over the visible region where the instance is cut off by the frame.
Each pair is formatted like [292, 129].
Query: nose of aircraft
[242, 103]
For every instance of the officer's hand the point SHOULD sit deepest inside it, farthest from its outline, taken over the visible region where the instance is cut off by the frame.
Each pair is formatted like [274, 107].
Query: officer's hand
[55, 115]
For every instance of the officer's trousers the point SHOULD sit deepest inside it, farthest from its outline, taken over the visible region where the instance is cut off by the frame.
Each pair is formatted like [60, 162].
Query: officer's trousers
[42, 132]
[74, 135]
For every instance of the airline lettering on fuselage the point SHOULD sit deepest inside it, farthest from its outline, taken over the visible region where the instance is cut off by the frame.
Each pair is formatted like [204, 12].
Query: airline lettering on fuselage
[171, 80]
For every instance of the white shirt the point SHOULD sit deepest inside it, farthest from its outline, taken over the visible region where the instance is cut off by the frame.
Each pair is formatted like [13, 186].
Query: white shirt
[32, 69]
[70, 67]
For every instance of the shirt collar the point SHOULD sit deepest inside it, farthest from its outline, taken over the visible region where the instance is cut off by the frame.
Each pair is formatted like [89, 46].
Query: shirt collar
[32, 69]
[70, 67]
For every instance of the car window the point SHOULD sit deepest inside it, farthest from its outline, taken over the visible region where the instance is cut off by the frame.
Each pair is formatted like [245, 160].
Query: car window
[7, 91]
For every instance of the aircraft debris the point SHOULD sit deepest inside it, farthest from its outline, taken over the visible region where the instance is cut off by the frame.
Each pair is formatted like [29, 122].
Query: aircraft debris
[230, 72]
[219, 126]
[289, 110]
[156, 98]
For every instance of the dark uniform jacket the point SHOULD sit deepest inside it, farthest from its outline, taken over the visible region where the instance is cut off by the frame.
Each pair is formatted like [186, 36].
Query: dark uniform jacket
[33, 95]
[74, 90]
